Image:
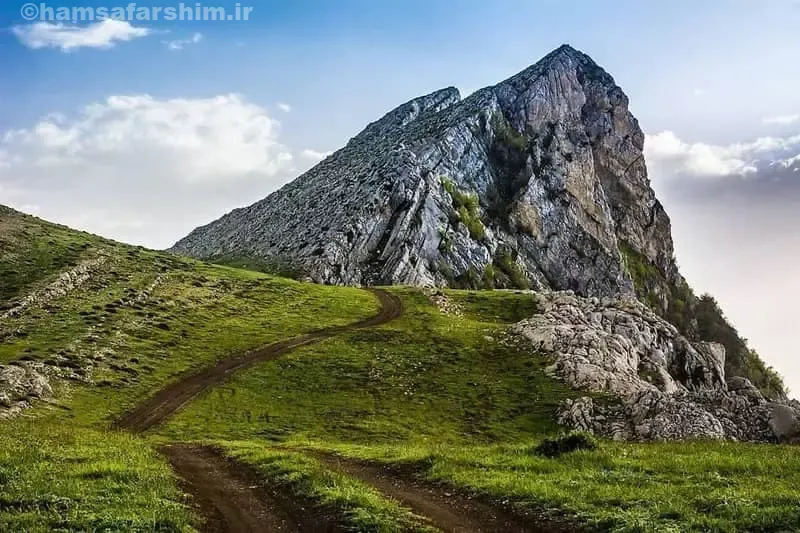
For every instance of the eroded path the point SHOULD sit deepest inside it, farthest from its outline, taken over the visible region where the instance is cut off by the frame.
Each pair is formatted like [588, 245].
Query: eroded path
[173, 397]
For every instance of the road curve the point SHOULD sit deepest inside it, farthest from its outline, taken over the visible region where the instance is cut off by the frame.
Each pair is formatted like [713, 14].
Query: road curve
[173, 397]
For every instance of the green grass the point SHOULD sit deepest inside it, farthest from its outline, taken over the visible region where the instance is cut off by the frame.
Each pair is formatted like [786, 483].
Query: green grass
[666, 487]
[424, 377]
[59, 477]
[31, 250]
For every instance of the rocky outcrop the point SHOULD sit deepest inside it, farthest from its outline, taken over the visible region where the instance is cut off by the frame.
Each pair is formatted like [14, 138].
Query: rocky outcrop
[619, 346]
[537, 181]
[66, 282]
[665, 387]
[20, 384]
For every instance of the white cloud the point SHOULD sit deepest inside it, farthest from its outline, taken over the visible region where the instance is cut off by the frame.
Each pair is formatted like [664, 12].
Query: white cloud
[314, 154]
[180, 44]
[666, 150]
[286, 108]
[783, 120]
[790, 162]
[668, 156]
[699, 92]
[104, 34]
[145, 170]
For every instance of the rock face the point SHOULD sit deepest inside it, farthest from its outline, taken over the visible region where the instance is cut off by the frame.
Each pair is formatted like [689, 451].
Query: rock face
[538, 181]
[667, 387]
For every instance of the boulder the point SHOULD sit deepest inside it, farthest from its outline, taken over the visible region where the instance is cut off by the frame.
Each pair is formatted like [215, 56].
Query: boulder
[784, 423]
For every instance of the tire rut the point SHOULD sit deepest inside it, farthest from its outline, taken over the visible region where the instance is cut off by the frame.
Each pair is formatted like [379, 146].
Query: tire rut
[232, 498]
[447, 510]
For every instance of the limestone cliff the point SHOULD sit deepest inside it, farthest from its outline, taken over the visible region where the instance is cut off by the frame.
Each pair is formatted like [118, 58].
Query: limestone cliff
[537, 182]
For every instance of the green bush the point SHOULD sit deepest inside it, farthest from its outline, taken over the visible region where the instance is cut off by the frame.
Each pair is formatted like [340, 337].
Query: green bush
[505, 261]
[466, 206]
[552, 448]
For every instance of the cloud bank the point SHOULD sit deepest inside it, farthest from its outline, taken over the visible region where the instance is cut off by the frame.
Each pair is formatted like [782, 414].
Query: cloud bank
[735, 215]
[141, 169]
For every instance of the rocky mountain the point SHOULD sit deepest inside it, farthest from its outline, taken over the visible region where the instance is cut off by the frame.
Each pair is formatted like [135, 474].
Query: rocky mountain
[538, 182]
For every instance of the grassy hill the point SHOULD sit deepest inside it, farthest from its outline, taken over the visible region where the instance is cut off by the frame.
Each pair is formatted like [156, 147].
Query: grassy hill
[445, 395]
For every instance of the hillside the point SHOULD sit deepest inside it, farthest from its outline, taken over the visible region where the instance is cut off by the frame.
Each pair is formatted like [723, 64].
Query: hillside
[445, 395]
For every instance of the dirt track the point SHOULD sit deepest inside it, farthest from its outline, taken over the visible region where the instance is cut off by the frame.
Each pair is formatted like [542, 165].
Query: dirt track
[173, 397]
[232, 498]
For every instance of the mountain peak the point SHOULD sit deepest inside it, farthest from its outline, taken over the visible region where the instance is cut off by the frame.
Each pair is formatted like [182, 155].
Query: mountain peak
[538, 181]
[566, 50]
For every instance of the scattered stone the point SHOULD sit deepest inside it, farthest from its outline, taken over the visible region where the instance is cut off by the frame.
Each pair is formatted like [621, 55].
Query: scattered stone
[443, 303]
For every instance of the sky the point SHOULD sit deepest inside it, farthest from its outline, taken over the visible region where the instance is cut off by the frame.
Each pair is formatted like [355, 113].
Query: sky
[140, 130]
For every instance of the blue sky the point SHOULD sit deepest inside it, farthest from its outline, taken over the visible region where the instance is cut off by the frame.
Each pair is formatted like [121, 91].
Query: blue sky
[141, 131]
[687, 67]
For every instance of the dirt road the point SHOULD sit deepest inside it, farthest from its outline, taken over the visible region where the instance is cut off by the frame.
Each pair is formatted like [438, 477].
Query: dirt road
[232, 498]
[173, 397]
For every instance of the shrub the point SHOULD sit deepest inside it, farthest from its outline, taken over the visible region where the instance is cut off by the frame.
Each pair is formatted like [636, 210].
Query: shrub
[466, 206]
[505, 261]
[552, 448]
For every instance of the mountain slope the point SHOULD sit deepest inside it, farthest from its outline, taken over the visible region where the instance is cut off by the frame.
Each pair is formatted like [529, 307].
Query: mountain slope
[537, 181]
[76, 308]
